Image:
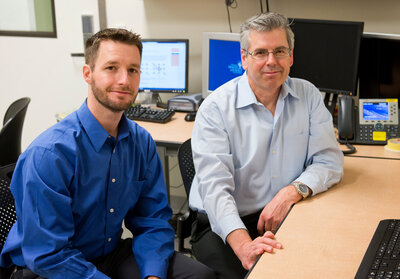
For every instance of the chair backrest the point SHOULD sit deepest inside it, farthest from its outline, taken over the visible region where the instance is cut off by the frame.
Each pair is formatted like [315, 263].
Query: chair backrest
[7, 207]
[11, 132]
[185, 160]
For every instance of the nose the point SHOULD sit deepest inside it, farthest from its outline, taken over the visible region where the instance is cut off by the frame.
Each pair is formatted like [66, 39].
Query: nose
[123, 77]
[271, 59]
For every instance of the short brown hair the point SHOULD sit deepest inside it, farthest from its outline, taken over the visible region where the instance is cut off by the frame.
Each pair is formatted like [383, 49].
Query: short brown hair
[113, 34]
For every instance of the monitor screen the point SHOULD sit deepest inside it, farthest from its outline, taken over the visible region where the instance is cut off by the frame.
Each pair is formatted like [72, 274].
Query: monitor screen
[221, 60]
[375, 111]
[379, 69]
[326, 53]
[164, 66]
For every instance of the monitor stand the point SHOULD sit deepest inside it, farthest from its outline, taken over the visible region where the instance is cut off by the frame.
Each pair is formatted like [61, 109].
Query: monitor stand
[153, 99]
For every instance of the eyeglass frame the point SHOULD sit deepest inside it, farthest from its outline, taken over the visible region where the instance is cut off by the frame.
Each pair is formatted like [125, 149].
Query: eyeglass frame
[268, 52]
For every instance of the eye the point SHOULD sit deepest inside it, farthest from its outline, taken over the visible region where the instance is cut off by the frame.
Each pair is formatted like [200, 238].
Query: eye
[110, 68]
[133, 70]
[281, 52]
[260, 52]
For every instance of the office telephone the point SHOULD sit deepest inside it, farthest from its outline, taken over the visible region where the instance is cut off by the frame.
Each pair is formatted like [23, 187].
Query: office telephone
[374, 121]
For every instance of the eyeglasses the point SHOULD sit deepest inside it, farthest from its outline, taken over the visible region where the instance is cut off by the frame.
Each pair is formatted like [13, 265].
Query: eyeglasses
[262, 54]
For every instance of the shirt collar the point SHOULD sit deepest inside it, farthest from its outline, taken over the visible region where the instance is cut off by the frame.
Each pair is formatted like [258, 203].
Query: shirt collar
[96, 133]
[247, 97]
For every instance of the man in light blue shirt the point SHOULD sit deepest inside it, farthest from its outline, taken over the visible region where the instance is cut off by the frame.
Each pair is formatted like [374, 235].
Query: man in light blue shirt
[261, 143]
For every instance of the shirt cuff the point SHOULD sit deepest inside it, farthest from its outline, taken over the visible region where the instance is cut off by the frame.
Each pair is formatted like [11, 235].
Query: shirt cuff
[155, 268]
[311, 181]
[100, 275]
[227, 225]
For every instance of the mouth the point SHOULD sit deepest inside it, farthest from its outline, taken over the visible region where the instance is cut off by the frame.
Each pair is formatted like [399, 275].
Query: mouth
[271, 71]
[121, 91]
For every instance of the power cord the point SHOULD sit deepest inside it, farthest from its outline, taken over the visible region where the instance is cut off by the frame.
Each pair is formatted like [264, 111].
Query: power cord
[230, 4]
[266, 5]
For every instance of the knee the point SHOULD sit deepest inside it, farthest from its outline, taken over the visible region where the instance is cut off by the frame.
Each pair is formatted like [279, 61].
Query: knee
[205, 272]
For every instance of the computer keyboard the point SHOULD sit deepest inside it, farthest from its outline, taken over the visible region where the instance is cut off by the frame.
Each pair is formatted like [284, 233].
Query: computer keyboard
[382, 258]
[149, 114]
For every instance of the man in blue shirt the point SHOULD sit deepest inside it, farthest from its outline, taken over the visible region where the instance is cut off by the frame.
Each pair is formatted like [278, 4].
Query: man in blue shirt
[80, 179]
[261, 143]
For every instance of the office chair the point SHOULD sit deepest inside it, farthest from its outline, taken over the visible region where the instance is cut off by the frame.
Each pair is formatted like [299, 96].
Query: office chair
[186, 166]
[7, 210]
[10, 133]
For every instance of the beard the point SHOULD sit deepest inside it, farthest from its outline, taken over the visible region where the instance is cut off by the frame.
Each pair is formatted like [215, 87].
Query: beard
[102, 98]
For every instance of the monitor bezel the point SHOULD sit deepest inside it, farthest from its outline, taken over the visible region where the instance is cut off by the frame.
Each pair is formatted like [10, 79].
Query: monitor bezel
[207, 36]
[173, 40]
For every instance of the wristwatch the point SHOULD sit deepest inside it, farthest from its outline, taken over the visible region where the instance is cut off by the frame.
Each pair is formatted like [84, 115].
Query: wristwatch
[302, 189]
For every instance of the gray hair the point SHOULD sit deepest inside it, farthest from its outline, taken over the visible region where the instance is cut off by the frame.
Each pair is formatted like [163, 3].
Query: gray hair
[265, 22]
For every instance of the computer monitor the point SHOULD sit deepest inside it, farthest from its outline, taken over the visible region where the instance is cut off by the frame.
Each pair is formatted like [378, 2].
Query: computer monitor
[379, 70]
[221, 60]
[165, 66]
[326, 53]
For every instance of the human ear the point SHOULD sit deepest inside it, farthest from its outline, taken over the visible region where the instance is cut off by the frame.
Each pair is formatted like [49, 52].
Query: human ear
[243, 56]
[87, 73]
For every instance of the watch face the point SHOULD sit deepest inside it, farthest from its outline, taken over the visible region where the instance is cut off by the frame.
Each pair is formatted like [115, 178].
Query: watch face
[303, 188]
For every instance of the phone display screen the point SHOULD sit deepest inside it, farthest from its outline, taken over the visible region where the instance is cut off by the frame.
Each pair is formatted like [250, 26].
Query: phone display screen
[375, 111]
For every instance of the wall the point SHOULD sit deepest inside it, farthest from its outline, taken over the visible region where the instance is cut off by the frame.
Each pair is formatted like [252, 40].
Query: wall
[44, 70]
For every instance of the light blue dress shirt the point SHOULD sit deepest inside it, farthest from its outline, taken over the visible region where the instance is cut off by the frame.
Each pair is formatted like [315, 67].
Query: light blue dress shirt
[73, 187]
[244, 155]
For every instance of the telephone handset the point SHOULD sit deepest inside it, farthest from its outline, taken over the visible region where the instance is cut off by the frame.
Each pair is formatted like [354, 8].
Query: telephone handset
[374, 122]
[346, 115]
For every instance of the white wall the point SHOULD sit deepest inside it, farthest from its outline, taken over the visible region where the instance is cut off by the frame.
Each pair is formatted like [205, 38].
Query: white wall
[44, 70]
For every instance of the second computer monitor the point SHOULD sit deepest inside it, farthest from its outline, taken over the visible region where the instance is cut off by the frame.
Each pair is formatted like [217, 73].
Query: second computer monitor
[221, 60]
[326, 53]
[164, 66]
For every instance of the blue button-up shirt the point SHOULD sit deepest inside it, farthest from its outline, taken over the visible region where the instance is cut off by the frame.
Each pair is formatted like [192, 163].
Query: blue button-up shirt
[73, 187]
[244, 155]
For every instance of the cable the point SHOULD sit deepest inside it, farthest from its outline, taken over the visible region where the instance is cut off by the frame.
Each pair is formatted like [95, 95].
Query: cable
[267, 5]
[262, 10]
[351, 150]
[229, 4]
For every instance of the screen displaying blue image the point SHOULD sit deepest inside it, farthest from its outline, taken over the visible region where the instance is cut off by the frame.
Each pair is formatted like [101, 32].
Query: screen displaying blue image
[224, 62]
[376, 111]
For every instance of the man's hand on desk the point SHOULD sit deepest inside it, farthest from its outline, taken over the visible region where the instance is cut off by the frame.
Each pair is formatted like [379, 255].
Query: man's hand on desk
[248, 250]
[276, 210]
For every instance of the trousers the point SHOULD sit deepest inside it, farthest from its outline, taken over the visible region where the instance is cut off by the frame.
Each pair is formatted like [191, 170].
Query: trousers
[121, 264]
[212, 251]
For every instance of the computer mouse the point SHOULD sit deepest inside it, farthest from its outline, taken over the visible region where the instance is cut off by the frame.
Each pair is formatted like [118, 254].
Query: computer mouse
[191, 116]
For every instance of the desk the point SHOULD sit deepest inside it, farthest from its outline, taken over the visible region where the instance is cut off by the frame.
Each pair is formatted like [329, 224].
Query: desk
[377, 151]
[168, 137]
[326, 236]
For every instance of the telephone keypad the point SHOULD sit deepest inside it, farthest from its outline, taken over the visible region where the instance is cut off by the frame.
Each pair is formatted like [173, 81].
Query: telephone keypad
[365, 134]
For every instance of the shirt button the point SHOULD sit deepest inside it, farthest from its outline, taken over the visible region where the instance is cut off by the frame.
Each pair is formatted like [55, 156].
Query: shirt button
[274, 176]
[113, 180]
[112, 210]
[273, 151]
[109, 239]
[114, 150]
